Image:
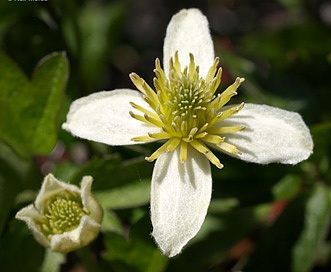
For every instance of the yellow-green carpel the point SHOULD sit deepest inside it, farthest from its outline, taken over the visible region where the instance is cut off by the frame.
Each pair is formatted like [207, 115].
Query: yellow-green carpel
[61, 213]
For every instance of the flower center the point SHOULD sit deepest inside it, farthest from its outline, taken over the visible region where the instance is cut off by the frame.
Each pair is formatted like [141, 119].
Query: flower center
[187, 110]
[61, 213]
[188, 102]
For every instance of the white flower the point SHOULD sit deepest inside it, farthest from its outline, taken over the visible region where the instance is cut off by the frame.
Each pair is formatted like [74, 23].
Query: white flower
[63, 217]
[188, 116]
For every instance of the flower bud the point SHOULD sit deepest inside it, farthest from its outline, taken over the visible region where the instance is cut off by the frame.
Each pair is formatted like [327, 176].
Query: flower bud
[63, 217]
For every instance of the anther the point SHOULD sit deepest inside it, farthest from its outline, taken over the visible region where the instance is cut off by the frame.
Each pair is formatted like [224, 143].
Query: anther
[132, 114]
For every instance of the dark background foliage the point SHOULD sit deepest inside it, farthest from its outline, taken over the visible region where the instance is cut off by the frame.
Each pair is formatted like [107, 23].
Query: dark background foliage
[262, 218]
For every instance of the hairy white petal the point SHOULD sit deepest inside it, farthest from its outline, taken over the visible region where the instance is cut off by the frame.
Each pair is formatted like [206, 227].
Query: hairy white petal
[104, 117]
[188, 32]
[271, 135]
[180, 196]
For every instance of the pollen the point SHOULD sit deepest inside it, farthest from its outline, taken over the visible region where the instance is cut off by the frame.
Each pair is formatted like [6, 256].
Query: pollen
[187, 109]
[61, 213]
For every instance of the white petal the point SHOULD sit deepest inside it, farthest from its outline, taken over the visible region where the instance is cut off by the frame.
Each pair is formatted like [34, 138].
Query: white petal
[188, 32]
[271, 135]
[104, 117]
[180, 196]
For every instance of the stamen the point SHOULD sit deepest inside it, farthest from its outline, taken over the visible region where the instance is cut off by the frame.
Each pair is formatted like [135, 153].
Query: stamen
[163, 118]
[227, 113]
[229, 148]
[174, 126]
[183, 152]
[212, 70]
[162, 94]
[176, 64]
[193, 131]
[143, 139]
[138, 117]
[216, 119]
[145, 89]
[225, 130]
[137, 81]
[213, 139]
[155, 121]
[214, 84]
[160, 135]
[143, 110]
[159, 71]
[158, 152]
[168, 146]
[174, 142]
[203, 128]
[183, 126]
[149, 120]
[186, 109]
[229, 92]
[191, 67]
[201, 135]
[206, 151]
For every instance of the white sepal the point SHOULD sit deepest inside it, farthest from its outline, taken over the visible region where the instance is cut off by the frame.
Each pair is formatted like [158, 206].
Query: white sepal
[29, 215]
[88, 200]
[180, 196]
[104, 117]
[52, 186]
[271, 135]
[77, 238]
[188, 32]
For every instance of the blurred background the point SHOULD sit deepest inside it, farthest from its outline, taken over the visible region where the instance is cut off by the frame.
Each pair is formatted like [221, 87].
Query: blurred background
[262, 218]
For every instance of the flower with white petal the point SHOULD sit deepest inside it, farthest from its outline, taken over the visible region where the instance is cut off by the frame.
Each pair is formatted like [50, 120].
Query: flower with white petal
[185, 112]
[63, 216]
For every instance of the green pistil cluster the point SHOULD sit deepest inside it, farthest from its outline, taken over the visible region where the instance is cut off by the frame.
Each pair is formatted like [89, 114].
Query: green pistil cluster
[61, 213]
[187, 110]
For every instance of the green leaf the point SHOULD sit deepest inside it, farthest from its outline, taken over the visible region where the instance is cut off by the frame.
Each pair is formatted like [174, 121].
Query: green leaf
[110, 172]
[231, 183]
[317, 219]
[298, 39]
[138, 253]
[127, 196]
[321, 135]
[112, 223]
[286, 188]
[292, 242]
[100, 26]
[29, 108]
[49, 81]
[273, 252]
[16, 175]
[18, 249]
[92, 37]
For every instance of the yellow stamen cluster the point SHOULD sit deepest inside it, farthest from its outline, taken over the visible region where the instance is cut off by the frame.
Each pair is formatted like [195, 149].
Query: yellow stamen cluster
[61, 213]
[187, 110]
